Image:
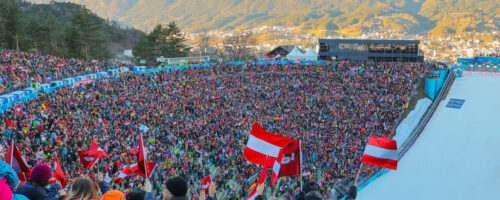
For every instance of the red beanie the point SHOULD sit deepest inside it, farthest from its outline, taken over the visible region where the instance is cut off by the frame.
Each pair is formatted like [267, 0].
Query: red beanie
[41, 173]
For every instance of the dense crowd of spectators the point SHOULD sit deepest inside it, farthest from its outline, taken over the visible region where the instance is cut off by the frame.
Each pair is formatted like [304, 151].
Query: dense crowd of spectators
[199, 119]
[17, 69]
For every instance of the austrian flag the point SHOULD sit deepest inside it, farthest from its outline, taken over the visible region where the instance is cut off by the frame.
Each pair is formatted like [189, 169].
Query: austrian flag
[381, 152]
[262, 144]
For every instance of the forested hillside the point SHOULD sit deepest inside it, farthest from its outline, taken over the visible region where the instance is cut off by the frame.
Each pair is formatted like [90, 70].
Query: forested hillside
[348, 17]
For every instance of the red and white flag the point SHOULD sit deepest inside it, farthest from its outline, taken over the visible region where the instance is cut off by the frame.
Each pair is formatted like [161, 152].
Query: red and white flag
[288, 162]
[205, 182]
[59, 174]
[267, 163]
[381, 152]
[89, 158]
[262, 144]
[17, 161]
[122, 174]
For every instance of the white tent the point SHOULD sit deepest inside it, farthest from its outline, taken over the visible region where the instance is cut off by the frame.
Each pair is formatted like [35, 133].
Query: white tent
[310, 55]
[295, 54]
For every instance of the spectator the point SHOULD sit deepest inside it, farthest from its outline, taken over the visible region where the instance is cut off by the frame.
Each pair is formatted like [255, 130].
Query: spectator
[83, 189]
[113, 195]
[39, 187]
[176, 189]
[142, 195]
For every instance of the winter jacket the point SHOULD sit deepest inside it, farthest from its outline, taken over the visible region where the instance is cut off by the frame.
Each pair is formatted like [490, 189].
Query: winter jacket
[149, 196]
[39, 193]
[104, 187]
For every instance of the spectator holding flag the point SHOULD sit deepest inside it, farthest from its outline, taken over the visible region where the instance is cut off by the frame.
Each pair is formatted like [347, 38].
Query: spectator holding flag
[39, 187]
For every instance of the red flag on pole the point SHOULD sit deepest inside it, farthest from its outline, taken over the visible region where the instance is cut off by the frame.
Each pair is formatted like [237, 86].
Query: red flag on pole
[142, 159]
[17, 161]
[151, 168]
[381, 152]
[59, 174]
[89, 158]
[262, 144]
[288, 162]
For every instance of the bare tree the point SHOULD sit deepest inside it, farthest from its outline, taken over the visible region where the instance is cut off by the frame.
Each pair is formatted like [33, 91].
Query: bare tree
[237, 47]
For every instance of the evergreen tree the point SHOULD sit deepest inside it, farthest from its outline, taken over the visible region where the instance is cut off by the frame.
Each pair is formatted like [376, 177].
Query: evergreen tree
[12, 24]
[50, 35]
[175, 41]
[163, 41]
[84, 39]
[143, 49]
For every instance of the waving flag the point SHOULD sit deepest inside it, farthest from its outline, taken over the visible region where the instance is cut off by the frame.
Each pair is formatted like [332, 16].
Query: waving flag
[262, 144]
[205, 182]
[142, 161]
[17, 161]
[381, 152]
[151, 168]
[89, 158]
[59, 174]
[122, 174]
[288, 162]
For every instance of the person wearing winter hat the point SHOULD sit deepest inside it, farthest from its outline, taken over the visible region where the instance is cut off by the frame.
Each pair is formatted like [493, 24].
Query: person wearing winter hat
[39, 188]
[175, 189]
[8, 181]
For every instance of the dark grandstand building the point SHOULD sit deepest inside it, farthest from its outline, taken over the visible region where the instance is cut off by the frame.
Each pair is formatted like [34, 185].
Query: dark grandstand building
[376, 50]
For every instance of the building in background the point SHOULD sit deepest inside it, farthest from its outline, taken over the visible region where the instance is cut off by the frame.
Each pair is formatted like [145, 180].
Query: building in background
[375, 50]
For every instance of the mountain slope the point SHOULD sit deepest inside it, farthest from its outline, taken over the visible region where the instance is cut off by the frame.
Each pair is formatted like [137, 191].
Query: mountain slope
[348, 17]
[119, 38]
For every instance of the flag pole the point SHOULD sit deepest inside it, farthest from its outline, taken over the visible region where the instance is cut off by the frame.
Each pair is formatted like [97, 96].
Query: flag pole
[145, 166]
[300, 149]
[357, 175]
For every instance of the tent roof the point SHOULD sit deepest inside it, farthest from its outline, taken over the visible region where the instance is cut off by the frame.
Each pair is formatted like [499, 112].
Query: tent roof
[295, 52]
[311, 52]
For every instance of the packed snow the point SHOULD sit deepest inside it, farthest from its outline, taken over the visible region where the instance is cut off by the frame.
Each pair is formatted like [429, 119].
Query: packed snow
[457, 155]
[411, 121]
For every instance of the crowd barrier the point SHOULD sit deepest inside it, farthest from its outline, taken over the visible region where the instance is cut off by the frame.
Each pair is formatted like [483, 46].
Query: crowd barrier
[281, 62]
[433, 85]
[416, 132]
[477, 67]
[142, 70]
[480, 60]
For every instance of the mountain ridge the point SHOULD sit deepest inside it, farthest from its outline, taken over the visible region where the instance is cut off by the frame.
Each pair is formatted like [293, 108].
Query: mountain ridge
[347, 17]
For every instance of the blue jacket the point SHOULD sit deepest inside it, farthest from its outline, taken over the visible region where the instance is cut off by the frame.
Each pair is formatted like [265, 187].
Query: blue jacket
[38, 192]
[8, 173]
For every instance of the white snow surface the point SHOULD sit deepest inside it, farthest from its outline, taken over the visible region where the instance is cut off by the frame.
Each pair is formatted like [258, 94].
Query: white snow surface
[457, 156]
[411, 121]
